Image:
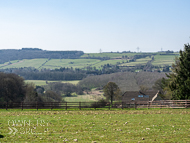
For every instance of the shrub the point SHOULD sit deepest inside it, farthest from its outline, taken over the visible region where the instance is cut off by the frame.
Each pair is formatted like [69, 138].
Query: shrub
[100, 104]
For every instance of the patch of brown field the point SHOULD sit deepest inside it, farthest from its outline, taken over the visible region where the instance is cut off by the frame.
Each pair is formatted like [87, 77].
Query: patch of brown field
[94, 92]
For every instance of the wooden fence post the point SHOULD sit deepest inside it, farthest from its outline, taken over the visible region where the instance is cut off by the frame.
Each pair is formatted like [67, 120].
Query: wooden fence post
[95, 105]
[160, 105]
[6, 105]
[122, 105]
[80, 105]
[22, 105]
[148, 104]
[130, 104]
[185, 103]
[37, 105]
[109, 105]
[135, 105]
[66, 105]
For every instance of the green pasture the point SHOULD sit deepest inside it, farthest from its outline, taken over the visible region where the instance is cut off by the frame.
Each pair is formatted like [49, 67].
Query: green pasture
[83, 63]
[116, 125]
[51, 64]
[142, 61]
[163, 59]
[43, 82]
[15, 61]
[7, 63]
[26, 63]
[113, 62]
[75, 63]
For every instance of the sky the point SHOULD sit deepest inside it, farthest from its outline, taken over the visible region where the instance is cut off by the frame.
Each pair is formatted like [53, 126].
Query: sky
[91, 25]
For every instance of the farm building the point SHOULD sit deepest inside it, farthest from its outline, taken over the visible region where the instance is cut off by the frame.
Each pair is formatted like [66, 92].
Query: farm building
[150, 95]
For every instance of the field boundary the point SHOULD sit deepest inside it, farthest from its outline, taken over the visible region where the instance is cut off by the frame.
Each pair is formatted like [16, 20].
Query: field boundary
[80, 105]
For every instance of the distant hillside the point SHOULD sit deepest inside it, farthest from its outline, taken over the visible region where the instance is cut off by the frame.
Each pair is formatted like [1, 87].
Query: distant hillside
[37, 58]
[76, 65]
[33, 53]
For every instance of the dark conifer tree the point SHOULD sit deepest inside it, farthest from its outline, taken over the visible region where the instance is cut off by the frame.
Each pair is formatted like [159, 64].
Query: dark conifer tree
[180, 77]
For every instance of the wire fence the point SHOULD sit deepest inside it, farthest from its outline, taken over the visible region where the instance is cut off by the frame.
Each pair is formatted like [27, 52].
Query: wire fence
[95, 105]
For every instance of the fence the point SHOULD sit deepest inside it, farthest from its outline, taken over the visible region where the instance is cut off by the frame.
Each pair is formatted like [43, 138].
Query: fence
[80, 105]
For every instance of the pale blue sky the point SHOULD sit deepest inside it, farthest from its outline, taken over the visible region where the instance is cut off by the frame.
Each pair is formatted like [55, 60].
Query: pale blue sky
[91, 25]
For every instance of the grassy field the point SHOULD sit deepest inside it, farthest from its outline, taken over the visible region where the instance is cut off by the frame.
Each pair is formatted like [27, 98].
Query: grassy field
[75, 63]
[51, 64]
[26, 63]
[163, 60]
[113, 62]
[142, 61]
[143, 125]
[83, 63]
[43, 82]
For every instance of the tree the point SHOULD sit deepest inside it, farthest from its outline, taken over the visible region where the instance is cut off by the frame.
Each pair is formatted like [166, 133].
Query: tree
[51, 95]
[162, 85]
[12, 88]
[31, 95]
[180, 76]
[111, 91]
[143, 88]
[166, 68]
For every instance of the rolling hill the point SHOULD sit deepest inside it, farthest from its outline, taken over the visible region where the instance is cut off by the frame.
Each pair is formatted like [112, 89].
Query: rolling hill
[82, 60]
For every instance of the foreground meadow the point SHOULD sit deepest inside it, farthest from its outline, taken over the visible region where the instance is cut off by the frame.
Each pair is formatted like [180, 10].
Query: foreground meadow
[142, 125]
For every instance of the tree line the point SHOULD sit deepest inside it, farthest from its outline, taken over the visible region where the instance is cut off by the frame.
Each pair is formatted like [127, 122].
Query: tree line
[32, 53]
